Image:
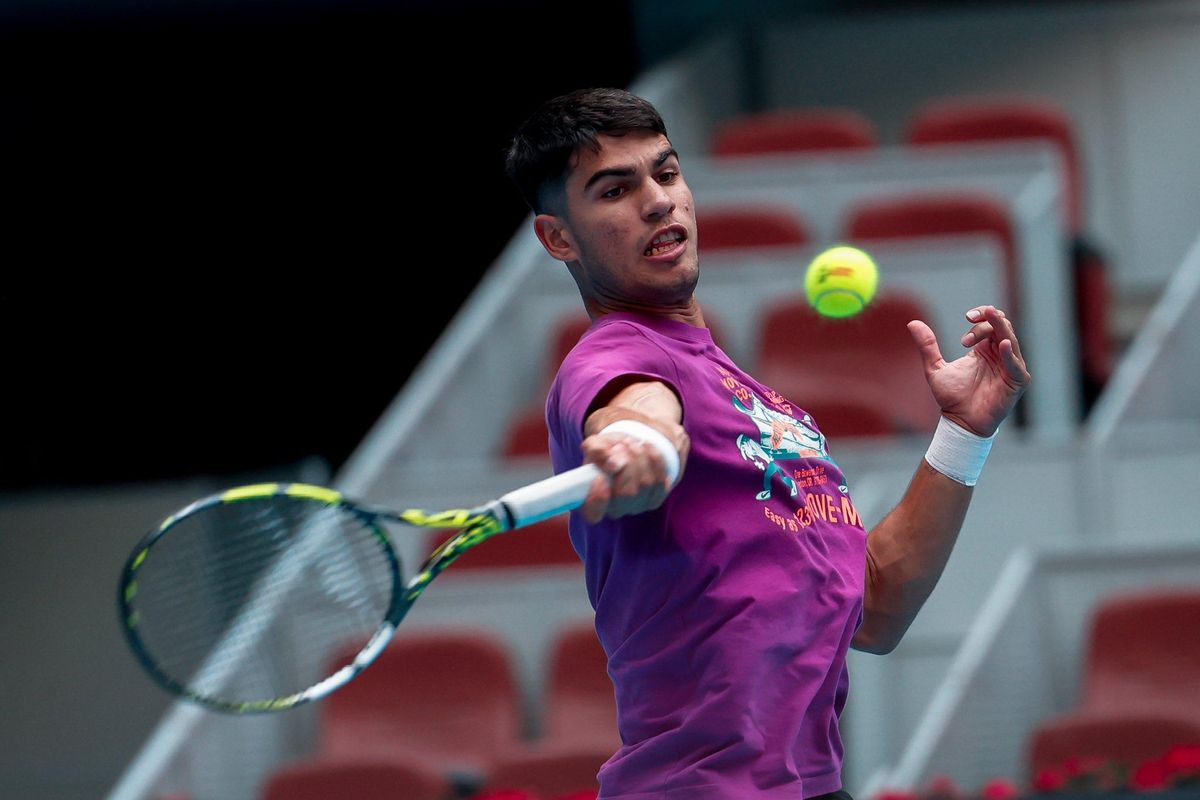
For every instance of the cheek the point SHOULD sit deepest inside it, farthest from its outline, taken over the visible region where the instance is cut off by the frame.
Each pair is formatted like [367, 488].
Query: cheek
[614, 236]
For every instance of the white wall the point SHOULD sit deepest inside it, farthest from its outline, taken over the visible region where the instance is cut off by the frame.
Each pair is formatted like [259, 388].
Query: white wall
[1127, 73]
[75, 706]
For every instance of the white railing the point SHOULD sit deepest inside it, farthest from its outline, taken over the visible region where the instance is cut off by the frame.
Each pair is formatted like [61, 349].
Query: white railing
[1149, 413]
[1159, 377]
[1020, 661]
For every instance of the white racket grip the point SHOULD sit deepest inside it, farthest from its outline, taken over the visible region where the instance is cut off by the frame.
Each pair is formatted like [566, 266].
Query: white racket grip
[568, 490]
[551, 497]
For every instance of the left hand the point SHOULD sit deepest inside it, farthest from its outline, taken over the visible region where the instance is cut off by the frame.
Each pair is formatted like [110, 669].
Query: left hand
[979, 389]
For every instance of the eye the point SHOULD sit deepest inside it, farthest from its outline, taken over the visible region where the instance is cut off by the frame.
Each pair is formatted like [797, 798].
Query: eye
[668, 176]
[614, 192]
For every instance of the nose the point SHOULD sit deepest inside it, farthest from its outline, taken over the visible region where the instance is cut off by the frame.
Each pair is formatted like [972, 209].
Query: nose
[659, 201]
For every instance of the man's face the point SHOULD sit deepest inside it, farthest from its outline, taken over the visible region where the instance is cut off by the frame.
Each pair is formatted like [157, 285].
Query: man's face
[629, 225]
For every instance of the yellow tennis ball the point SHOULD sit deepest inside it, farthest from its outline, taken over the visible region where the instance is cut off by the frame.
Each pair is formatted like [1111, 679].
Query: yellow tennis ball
[841, 281]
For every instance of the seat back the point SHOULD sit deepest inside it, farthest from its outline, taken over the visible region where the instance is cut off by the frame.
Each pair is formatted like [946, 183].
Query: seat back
[448, 697]
[996, 120]
[747, 227]
[355, 780]
[581, 704]
[940, 214]
[795, 131]
[867, 362]
[1144, 652]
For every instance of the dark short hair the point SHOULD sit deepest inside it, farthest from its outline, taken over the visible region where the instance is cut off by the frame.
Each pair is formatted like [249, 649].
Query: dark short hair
[542, 148]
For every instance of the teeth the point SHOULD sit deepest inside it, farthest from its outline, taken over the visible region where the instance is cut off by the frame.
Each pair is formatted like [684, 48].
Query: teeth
[663, 242]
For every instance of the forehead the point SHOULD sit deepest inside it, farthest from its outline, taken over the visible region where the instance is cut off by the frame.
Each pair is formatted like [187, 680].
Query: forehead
[635, 150]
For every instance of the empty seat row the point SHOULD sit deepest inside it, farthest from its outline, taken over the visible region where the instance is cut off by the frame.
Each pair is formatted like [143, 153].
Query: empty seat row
[943, 121]
[554, 777]
[450, 702]
[1141, 684]
[959, 121]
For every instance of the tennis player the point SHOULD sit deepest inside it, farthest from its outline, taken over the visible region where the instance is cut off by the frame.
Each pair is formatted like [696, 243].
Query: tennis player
[726, 606]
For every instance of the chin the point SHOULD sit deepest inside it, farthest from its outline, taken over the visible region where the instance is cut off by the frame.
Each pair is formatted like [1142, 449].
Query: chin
[679, 291]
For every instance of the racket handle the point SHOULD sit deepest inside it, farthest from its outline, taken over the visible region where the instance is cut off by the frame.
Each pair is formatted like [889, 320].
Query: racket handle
[551, 497]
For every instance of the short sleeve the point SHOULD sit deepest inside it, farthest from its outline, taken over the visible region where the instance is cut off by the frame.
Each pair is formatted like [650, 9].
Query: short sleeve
[605, 353]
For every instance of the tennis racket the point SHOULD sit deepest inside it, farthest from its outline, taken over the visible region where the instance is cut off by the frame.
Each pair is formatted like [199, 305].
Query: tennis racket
[242, 600]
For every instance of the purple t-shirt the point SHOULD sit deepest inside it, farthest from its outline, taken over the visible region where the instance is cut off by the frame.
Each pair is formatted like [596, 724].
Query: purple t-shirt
[727, 612]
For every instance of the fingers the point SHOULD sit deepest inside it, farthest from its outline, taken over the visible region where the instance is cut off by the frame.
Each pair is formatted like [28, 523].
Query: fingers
[992, 325]
[927, 344]
[597, 499]
[1013, 363]
[635, 476]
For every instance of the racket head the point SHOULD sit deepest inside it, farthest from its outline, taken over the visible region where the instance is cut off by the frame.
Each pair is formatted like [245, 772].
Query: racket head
[239, 600]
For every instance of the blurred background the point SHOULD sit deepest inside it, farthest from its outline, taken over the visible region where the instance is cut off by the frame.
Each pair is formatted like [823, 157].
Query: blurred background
[273, 240]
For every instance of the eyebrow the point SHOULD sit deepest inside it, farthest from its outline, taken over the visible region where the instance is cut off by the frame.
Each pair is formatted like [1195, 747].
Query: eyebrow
[626, 171]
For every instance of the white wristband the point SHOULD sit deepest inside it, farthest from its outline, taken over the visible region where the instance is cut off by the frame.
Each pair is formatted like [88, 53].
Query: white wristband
[957, 453]
[642, 431]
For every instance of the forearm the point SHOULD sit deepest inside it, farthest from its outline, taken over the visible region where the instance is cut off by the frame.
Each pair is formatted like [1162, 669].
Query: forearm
[648, 402]
[906, 554]
[638, 475]
[645, 401]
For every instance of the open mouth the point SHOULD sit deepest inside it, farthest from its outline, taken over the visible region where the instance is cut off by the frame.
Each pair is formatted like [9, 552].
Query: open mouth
[666, 241]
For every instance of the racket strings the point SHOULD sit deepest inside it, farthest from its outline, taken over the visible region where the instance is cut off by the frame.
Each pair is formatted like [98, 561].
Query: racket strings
[249, 601]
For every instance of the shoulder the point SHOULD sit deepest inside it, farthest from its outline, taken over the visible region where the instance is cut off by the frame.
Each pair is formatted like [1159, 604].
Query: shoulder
[611, 354]
[616, 343]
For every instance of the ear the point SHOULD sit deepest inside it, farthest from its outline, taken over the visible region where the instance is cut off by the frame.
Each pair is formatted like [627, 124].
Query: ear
[554, 234]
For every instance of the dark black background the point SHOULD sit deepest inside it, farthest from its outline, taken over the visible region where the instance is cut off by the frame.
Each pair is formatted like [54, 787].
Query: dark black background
[231, 228]
[232, 233]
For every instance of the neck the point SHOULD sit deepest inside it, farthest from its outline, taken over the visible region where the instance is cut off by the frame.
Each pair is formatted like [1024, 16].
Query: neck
[688, 312]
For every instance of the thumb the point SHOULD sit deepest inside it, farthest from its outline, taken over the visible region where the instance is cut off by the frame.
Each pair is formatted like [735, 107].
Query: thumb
[927, 344]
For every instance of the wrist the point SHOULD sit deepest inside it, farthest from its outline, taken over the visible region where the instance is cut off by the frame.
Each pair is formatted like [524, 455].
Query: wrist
[958, 453]
[651, 436]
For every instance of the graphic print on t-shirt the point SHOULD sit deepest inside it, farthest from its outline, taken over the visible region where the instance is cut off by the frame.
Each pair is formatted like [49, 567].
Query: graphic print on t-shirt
[781, 438]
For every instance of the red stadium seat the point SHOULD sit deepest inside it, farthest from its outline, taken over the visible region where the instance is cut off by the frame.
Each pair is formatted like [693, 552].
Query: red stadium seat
[356, 780]
[550, 773]
[1141, 687]
[542, 545]
[941, 214]
[795, 131]
[847, 419]
[567, 334]
[964, 120]
[1144, 654]
[1132, 737]
[742, 228]
[949, 121]
[448, 700]
[581, 706]
[527, 435]
[865, 362]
